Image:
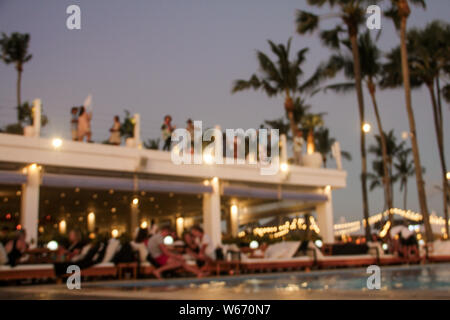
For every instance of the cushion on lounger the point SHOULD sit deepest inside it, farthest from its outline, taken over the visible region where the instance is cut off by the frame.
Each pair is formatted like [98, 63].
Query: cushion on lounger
[82, 254]
[441, 248]
[112, 248]
[141, 249]
[27, 267]
[282, 250]
[3, 255]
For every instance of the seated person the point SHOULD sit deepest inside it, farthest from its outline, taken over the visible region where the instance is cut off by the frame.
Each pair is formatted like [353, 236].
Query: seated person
[190, 246]
[4, 232]
[16, 247]
[164, 258]
[93, 256]
[74, 247]
[206, 252]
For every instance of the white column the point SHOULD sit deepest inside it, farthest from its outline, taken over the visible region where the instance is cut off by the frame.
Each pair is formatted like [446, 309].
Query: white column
[29, 218]
[134, 219]
[325, 217]
[37, 106]
[137, 130]
[211, 214]
[234, 220]
[283, 155]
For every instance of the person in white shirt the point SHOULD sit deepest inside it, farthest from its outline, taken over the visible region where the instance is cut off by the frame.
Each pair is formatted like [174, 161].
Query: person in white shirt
[298, 147]
[206, 252]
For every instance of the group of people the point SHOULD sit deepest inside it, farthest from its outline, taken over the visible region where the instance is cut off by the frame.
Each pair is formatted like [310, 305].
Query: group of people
[12, 246]
[194, 246]
[190, 253]
[80, 124]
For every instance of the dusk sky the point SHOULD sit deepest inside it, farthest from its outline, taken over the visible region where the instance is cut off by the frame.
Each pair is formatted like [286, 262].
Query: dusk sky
[180, 57]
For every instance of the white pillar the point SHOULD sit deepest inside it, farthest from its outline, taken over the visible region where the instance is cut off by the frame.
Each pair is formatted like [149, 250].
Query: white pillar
[134, 219]
[283, 155]
[37, 106]
[29, 218]
[325, 217]
[234, 220]
[137, 130]
[211, 214]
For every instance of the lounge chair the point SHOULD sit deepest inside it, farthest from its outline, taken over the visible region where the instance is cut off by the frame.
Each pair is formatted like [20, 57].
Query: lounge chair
[439, 252]
[278, 256]
[103, 268]
[26, 271]
[354, 260]
[145, 268]
[385, 258]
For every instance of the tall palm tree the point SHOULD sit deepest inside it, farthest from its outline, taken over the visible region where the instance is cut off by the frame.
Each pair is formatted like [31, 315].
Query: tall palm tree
[279, 77]
[381, 166]
[309, 123]
[324, 144]
[370, 71]
[351, 16]
[400, 12]
[430, 56]
[15, 50]
[404, 167]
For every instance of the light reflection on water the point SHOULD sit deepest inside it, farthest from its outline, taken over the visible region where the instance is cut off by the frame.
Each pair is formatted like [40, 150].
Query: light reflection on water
[429, 277]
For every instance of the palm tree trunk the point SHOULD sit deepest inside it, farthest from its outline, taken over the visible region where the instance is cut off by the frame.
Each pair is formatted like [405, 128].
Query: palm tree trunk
[440, 142]
[289, 106]
[19, 81]
[404, 13]
[405, 195]
[358, 83]
[387, 179]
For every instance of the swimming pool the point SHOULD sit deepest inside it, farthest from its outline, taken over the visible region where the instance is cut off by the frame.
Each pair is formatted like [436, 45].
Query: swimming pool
[417, 277]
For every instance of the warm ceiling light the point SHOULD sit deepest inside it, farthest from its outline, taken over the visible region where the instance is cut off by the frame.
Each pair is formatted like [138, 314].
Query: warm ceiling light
[144, 225]
[33, 166]
[215, 179]
[366, 127]
[448, 175]
[57, 143]
[115, 233]
[135, 201]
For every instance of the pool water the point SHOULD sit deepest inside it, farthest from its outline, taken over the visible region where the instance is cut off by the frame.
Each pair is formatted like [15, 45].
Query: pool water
[417, 277]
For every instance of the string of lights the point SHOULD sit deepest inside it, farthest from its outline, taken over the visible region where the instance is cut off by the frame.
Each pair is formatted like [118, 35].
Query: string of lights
[354, 226]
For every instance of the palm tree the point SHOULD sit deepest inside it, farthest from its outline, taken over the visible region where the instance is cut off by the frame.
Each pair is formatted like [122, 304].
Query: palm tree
[15, 50]
[370, 71]
[400, 12]
[280, 77]
[280, 124]
[430, 57]
[383, 165]
[404, 167]
[351, 15]
[324, 144]
[310, 122]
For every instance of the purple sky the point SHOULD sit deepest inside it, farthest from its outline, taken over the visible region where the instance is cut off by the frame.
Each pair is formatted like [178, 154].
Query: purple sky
[180, 57]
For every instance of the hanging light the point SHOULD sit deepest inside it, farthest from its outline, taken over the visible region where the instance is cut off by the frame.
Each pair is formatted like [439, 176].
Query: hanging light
[366, 127]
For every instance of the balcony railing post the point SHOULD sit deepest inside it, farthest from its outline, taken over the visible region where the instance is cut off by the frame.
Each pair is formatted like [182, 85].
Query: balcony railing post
[37, 105]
